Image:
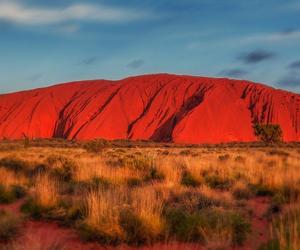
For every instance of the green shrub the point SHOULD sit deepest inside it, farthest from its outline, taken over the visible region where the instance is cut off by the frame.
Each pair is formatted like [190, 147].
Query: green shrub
[240, 159]
[31, 208]
[134, 182]
[182, 225]
[61, 167]
[241, 193]
[18, 191]
[277, 202]
[136, 231]
[153, 174]
[225, 157]
[142, 162]
[191, 227]
[285, 231]
[14, 164]
[189, 180]
[9, 225]
[241, 227]
[261, 190]
[191, 201]
[269, 133]
[215, 181]
[6, 196]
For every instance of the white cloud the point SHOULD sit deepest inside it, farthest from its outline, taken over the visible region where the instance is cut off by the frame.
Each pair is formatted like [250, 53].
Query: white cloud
[15, 12]
[273, 37]
[258, 38]
[69, 28]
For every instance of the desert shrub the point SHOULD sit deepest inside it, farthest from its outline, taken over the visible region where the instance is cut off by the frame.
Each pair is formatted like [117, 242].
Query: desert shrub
[9, 225]
[61, 167]
[197, 226]
[241, 191]
[240, 159]
[44, 198]
[182, 225]
[290, 193]
[278, 200]
[101, 215]
[240, 226]
[191, 201]
[270, 133]
[134, 182]
[153, 174]
[261, 190]
[32, 208]
[96, 146]
[38, 169]
[286, 231]
[189, 180]
[216, 181]
[14, 163]
[74, 213]
[136, 231]
[224, 157]
[143, 162]
[10, 194]
[6, 196]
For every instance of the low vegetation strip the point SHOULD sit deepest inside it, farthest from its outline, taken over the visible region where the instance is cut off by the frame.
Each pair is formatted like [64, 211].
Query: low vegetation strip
[147, 195]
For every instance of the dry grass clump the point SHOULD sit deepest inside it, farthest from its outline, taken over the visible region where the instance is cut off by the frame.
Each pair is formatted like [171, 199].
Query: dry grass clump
[285, 230]
[102, 213]
[44, 197]
[120, 214]
[172, 171]
[9, 178]
[89, 169]
[46, 191]
[147, 204]
[11, 185]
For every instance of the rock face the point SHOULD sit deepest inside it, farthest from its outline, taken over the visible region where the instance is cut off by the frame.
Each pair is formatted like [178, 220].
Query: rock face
[161, 107]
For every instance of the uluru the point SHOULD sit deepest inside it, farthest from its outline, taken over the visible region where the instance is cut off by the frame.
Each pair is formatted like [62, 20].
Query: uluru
[159, 107]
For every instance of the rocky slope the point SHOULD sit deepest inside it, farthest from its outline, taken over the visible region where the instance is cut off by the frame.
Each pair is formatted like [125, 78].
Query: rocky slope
[158, 107]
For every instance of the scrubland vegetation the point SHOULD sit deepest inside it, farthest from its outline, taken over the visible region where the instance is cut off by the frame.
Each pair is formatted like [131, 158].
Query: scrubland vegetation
[131, 194]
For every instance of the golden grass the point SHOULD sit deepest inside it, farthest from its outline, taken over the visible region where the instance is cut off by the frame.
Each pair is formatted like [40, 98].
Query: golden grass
[102, 209]
[9, 178]
[286, 229]
[147, 204]
[89, 169]
[46, 191]
[103, 206]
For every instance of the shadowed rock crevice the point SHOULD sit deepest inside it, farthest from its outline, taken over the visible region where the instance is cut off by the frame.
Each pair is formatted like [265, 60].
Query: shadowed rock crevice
[164, 132]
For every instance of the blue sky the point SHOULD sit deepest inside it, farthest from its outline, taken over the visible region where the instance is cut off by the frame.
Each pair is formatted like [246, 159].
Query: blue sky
[43, 42]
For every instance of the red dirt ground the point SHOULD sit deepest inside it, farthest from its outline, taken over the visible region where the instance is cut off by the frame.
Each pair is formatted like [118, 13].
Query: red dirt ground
[162, 107]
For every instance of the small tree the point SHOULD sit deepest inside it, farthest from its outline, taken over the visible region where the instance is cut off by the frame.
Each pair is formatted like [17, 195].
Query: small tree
[270, 133]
